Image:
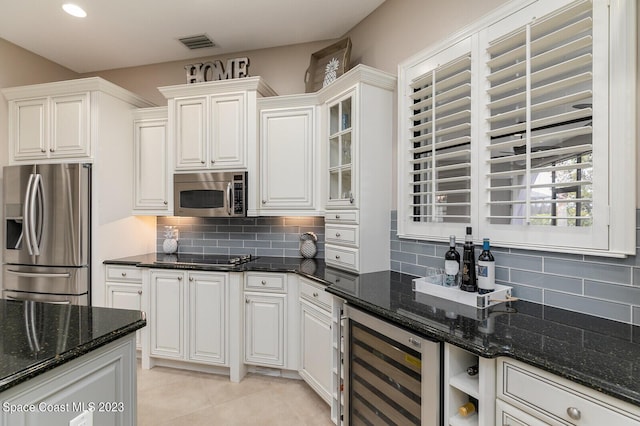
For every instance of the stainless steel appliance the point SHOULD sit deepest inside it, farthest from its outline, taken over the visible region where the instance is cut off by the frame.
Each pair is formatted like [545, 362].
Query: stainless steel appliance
[210, 194]
[392, 376]
[46, 251]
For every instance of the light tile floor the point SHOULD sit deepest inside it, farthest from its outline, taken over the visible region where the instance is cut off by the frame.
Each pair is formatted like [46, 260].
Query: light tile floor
[168, 396]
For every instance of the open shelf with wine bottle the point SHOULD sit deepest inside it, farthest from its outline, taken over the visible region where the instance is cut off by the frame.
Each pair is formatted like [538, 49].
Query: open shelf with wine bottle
[469, 388]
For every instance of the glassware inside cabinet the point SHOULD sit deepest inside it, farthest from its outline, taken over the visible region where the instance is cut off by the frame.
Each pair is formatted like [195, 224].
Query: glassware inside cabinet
[346, 149]
[346, 114]
[334, 119]
[346, 184]
[334, 152]
[334, 184]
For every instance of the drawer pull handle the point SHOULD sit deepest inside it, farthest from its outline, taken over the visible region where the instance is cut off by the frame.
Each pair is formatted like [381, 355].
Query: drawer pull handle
[124, 274]
[337, 256]
[315, 294]
[574, 413]
[263, 282]
[337, 235]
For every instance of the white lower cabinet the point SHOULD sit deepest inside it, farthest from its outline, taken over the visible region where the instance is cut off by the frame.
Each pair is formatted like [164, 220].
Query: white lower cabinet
[265, 329]
[188, 316]
[530, 396]
[316, 338]
[124, 291]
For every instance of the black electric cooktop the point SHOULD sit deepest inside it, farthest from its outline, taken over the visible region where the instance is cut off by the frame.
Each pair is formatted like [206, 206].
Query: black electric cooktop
[185, 259]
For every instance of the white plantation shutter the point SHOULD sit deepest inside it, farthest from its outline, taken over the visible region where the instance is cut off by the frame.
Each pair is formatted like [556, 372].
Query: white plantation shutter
[522, 126]
[438, 119]
[540, 130]
[440, 146]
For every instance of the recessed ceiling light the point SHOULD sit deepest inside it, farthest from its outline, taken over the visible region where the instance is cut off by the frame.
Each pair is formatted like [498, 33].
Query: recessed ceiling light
[74, 10]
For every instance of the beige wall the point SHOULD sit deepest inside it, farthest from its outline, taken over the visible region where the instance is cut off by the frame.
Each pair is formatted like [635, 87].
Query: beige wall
[283, 68]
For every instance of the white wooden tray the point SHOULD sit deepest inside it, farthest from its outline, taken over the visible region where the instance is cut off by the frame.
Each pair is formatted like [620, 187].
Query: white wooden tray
[501, 294]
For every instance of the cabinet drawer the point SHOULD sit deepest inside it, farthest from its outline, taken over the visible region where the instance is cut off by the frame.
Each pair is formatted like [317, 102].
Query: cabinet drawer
[342, 257]
[257, 281]
[342, 217]
[124, 273]
[548, 396]
[316, 295]
[342, 234]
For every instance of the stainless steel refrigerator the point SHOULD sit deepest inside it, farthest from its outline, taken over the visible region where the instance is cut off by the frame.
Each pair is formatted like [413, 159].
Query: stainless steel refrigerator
[46, 252]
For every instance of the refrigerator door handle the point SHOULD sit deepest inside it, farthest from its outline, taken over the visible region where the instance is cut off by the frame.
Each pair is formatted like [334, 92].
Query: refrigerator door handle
[26, 213]
[55, 302]
[35, 191]
[38, 275]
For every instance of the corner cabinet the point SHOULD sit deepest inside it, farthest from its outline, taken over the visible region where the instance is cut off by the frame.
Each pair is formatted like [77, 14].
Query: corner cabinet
[289, 157]
[152, 178]
[212, 125]
[357, 116]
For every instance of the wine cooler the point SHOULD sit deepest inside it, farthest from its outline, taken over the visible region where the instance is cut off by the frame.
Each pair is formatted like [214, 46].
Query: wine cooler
[392, 376]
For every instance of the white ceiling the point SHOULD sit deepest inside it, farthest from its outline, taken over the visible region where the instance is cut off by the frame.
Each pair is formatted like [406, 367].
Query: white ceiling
[125, 33]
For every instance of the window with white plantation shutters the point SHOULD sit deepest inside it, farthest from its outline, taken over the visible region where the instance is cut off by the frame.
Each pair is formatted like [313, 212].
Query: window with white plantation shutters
[440, 114]
[523, 126]
[540, 122]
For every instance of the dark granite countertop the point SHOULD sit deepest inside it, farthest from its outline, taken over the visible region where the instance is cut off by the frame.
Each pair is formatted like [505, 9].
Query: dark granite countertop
[596, 352]
[37, 337]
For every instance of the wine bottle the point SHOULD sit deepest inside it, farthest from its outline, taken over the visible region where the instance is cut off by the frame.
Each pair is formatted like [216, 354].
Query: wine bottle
[452, 264]
[467, 409]
[486, 269]
[468, 264]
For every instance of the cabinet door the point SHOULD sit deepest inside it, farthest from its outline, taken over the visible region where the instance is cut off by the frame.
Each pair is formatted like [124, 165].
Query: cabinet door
[510, 416]
[208, 317]
[287, 149]
[343, 152]
[70, 126]
[228, 136]
[167, 313]
[151, 181]
[29, 128]
[191, 133]
[125, 296]
[315, 347]
[265, 329]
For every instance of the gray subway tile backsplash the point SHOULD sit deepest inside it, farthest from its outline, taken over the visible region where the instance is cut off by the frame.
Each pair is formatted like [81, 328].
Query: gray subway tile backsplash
[595, 285]
[259, 236]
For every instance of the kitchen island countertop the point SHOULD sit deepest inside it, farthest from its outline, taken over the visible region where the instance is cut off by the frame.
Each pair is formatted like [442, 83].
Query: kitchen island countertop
[596, 352]
[37, 337]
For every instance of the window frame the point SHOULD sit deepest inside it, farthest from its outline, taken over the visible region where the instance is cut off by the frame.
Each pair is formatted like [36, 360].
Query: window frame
[614, 34]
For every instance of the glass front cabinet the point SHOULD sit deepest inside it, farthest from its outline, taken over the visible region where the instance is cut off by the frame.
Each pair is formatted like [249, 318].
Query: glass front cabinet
[341, 155]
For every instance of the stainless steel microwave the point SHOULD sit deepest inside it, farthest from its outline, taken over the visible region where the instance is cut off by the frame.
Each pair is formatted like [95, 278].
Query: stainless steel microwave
[210, 194]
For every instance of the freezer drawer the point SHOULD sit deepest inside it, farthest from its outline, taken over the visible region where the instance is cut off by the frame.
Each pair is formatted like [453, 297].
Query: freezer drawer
[49, 280]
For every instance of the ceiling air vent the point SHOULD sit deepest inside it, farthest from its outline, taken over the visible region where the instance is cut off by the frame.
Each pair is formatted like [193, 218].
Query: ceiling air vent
[199, 41]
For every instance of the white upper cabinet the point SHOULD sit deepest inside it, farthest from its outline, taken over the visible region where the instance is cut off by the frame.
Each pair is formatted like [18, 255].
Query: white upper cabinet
[152, 178]
[518, 129]
[212, 125]
[289, 160]
[59, 121]
[357, 138]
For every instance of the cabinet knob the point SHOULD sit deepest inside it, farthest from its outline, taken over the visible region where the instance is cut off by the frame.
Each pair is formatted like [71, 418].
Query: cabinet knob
[337, 216]
[337, 235]
[315, 294]
[140, 292]
[574, 413]
[351, 200]
[264, 201]
[179, 278]
[165, 203]
[190, 278]
[263, 282]
[124, 274]
[43, 150]
[51, 150]
[337, 256]
[246, 301]
[202, 162]
[213, 161]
